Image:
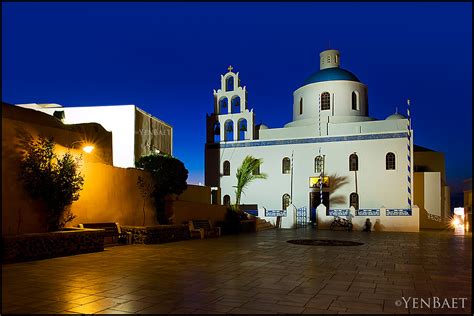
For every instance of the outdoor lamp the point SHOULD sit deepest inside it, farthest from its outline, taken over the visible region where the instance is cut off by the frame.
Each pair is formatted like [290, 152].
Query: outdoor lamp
[88, 149]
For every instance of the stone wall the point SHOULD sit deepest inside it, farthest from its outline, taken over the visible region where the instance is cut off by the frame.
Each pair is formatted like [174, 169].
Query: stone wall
[157, 234]
[50, 245]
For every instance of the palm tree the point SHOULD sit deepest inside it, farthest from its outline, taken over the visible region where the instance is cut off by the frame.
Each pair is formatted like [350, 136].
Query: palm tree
[245, 175]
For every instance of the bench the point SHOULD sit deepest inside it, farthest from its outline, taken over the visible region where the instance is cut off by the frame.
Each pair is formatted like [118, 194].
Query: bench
[113, 233]
[203, 228]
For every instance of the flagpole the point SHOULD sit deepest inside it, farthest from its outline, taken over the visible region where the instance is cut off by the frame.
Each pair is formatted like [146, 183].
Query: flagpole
[291, 179]
[409, 156]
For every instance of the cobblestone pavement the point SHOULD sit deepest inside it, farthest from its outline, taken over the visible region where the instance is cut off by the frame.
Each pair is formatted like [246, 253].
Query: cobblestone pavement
[253, 273]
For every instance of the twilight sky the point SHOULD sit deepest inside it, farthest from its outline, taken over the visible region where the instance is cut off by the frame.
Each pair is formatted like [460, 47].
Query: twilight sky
[166, 58]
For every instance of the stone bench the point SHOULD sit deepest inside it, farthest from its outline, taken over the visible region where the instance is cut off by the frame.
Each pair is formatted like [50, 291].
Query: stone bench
[203, 228]
[113, 233]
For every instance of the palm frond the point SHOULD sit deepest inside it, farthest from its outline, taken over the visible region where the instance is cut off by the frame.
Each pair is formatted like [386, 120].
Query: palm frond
[245, 175]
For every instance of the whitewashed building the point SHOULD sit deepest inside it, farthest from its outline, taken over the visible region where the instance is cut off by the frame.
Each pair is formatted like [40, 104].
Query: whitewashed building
[365, 162]
[135, 133]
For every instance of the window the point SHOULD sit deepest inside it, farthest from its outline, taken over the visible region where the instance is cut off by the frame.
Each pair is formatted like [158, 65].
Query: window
[390, 161]
[235, 104]
[217, 132]
[223, 108]
[226, 199]
[229, 84]
[355, 100]
[229, 130]
[353, 162]
[325, 101]
[329, 59]
[242, 126]
[318, 164]
[285, 201]
[354, 200]
[226, 168]
[301, 106]
[285, 165]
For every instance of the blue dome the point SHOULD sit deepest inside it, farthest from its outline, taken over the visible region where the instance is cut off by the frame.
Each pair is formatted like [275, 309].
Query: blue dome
[330, 74]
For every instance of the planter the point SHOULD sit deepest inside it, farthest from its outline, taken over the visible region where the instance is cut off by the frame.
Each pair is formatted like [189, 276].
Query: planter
[157, 234]
[37, 246]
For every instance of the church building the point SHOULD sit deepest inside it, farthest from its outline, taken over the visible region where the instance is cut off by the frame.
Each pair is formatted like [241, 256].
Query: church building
[332, 159]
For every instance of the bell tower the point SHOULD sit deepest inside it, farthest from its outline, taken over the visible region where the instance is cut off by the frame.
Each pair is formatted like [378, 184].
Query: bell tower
[231, 119]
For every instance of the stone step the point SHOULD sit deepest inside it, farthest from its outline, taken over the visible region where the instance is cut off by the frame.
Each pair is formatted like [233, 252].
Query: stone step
[263, 224]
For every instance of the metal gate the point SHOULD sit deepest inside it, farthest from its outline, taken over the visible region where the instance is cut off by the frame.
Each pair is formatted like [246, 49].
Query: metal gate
[301, 217]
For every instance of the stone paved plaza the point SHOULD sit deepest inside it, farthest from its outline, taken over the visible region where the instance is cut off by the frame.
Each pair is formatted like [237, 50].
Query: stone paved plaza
[251, 273]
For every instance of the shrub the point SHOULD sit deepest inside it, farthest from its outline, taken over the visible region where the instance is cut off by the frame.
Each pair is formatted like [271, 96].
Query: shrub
[169, 177]
[54, 180]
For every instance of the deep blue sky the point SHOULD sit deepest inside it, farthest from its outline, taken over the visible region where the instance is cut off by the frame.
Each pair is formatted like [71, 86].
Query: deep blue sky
[167, 58]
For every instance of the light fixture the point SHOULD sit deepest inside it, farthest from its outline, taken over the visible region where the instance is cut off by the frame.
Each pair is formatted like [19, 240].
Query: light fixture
[88, 149]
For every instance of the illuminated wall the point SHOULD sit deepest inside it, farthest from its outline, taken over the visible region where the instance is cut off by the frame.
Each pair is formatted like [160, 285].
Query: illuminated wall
[134, 132]
[110, 194]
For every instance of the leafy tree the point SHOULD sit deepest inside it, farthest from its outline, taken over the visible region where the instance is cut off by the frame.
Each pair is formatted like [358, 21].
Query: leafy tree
[169, 177]
[54, 180]
[245, 175]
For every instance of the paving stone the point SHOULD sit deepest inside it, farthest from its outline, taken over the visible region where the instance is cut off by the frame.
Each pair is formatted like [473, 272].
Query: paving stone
[248, 273]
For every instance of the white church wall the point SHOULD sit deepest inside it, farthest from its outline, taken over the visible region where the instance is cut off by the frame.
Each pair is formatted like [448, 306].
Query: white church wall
[379, 223]
[369, 127]
[341, 99]
[377, 187]
[288, 132]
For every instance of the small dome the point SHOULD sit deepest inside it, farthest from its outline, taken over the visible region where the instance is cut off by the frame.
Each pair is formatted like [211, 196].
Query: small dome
[396, 116]
[262, 126]
[330, 74]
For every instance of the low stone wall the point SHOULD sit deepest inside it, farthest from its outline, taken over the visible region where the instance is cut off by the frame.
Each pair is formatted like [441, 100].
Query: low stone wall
[50, 245]
[157, 234]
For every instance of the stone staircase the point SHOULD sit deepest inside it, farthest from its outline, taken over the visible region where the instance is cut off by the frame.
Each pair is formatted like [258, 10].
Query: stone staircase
[263, 224]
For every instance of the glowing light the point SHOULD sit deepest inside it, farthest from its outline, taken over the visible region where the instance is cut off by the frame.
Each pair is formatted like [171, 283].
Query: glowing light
[88, 149]
[456, 222]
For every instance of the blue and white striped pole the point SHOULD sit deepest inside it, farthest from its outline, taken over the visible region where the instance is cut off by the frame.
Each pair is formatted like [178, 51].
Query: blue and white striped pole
[409, 188]
[321, 167]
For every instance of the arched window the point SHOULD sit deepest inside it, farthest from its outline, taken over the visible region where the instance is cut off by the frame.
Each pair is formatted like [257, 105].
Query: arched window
[242, 126]
[226, 200]
[325, 101]
[353, 162]
[223, 106]
[229, 130]
[216, 129]
[226, 168]
[318, 164]
[301, 106]
[235, 104]
[355, 100]
[354, 200]
[285, 201]
[229, 84]
[390, 161]
[285, 165]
